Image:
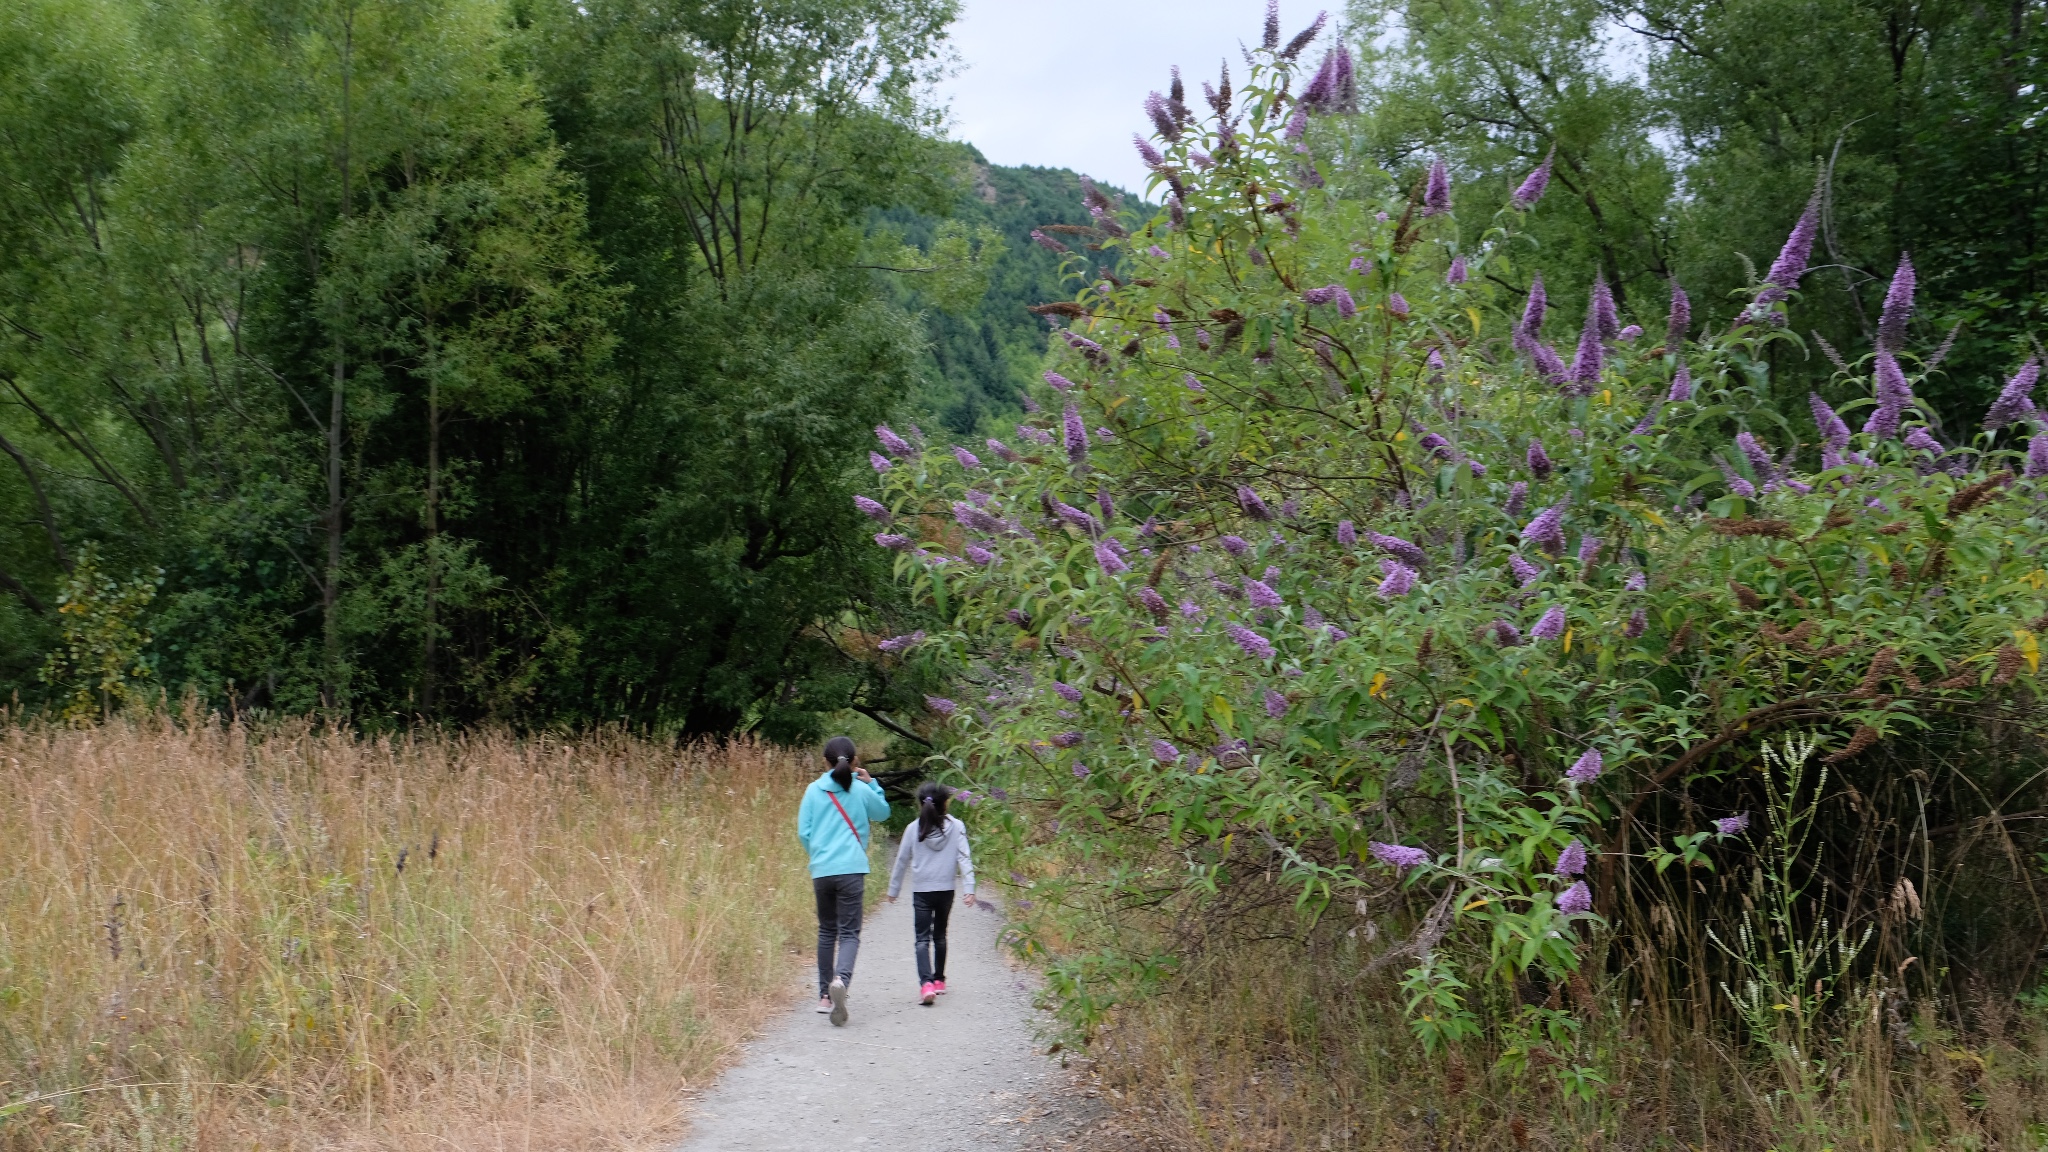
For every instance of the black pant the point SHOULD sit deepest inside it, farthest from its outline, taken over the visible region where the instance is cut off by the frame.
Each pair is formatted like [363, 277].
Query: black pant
[839, 900]
[930, 911]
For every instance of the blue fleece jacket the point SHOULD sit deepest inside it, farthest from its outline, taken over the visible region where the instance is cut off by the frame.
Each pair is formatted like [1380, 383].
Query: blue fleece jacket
[835, 849]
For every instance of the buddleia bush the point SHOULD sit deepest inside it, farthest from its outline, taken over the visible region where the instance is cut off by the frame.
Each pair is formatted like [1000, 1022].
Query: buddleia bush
[1324, 563]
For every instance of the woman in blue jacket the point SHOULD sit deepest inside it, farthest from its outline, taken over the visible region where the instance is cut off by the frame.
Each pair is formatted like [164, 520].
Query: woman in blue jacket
[833, 824]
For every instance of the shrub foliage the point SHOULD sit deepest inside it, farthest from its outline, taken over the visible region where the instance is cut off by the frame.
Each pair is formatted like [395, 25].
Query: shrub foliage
[1324, 566]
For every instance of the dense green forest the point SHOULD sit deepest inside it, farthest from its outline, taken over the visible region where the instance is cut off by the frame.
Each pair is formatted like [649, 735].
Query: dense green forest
[509, 358]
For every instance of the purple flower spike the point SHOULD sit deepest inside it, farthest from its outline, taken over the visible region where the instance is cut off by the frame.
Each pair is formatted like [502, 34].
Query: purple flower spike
[1076, 434]
[1260, 595]
[1587, 361]
[872, 510]
[1518, 498]
[893, 444]
[1066, 739]
[1736, 482]
[1506, 635]
[967, 459]
[1059, 383]
[1154, 603]
[902, 643]
[1400, 549]
[1080, 770]
[1111, 563]
[879, 461]
[1680, 322]
[1586, 768]
[1436, 193]
[1252, 505]
[1920, 441]
[941, 705]
[1732, 825]
[1075, 516]
[1893, 394]
[1276, 704]
[1539, 460]
[1898, 307]
[1457, 274]
[2015, 402]
[979, 555]
[1791, 262]
[1604, 313]
[1681, 384]
[1193, 385]
[1589, 549]
[1165, 752]
[1546, 531]
[1347, 534]
[1435, 445]
[1833, 432]
[1576, 899]
[1637, 622]
[1477, 469]
[1532, 313]
[1550, 625]
[1524, 572]
[1397, 304]
[1531, 189]
[893, 541]
[1636, 582]
[1399, 579]
[1047, 242]
[2037, 455]
[1067, 692]
[1572, 861]
[1235, 545]
[1758, 456]
[1629, 333]
[1148, 153]
[1399, 857]
[1254, 645]
[1549, 365]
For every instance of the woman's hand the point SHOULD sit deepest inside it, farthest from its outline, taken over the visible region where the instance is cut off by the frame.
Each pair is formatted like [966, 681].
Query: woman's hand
[970, 900]
[862, 774]
[891, 899]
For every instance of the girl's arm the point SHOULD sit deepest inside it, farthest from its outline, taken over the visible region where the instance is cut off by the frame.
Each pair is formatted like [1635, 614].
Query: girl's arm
[901, 866]
[966, 861]
[878, 803]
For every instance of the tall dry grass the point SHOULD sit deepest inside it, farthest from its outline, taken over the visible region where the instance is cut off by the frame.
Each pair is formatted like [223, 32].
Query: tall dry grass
[218, 936]
[1285, 1044]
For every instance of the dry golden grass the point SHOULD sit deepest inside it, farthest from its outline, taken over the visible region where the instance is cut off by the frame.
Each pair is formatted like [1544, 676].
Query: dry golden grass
[298, 938]
[1276, 1046]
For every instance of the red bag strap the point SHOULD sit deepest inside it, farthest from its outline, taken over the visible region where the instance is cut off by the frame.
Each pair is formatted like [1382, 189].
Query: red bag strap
[832, 796]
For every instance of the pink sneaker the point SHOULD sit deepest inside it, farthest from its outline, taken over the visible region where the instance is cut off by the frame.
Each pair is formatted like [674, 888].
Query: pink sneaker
[928, 993]
[939, 986]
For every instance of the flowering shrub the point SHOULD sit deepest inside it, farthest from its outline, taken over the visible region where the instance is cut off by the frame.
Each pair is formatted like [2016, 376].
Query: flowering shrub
[1324, 562]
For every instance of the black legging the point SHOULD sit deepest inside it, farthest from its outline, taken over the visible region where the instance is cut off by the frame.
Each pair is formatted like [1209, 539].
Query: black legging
[839, 900]
[931, 911]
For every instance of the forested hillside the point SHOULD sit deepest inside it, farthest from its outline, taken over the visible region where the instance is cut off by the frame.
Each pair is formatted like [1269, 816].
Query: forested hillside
[981, 362]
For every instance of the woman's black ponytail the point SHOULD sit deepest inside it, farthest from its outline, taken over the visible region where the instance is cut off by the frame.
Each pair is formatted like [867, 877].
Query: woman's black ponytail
[931, 808]
[839, 753]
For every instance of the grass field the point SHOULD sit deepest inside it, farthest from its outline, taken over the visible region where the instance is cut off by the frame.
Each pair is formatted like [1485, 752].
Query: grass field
[221, 936]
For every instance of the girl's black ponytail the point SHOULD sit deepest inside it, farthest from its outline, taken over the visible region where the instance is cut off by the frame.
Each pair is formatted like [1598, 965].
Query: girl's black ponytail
[839, 753]
[931, 809]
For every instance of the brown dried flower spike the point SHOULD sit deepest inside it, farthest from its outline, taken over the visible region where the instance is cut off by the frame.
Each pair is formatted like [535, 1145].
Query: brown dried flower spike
[1777, 529]
[1865, 736]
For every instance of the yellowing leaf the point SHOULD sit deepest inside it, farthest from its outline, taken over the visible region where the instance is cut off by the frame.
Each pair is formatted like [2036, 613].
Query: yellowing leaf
[1607, 395]
[2029, 647]
[1221, 707]
[1117, 403]
[2037, 578]
[1651, 515]
[1568, 641]
[1400, 436]
[1379, 684]
[1472, 314]
[1479, 903]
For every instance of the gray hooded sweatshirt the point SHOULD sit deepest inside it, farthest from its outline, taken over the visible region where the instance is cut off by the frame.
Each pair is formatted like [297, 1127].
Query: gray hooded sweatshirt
[933, 862]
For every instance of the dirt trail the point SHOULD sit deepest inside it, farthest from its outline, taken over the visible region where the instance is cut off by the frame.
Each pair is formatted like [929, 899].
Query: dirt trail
[965, 1075]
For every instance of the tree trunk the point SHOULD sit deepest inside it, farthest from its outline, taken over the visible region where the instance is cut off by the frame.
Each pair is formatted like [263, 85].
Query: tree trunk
[330, 591]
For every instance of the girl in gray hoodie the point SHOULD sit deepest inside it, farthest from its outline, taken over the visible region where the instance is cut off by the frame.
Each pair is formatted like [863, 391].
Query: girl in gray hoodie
[934, 852]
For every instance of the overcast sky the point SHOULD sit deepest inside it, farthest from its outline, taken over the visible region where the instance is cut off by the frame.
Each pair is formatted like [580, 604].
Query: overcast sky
[1062, 83]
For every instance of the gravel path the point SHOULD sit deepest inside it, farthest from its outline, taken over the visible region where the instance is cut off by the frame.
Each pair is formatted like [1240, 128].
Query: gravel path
[965, 1075]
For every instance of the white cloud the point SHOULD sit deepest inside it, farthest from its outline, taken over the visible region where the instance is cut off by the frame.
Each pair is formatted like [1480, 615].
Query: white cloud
[1062, 83]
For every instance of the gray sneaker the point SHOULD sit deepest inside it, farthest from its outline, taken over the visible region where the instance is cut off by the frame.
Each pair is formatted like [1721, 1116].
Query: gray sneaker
[837, 994]
[824, 1004]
